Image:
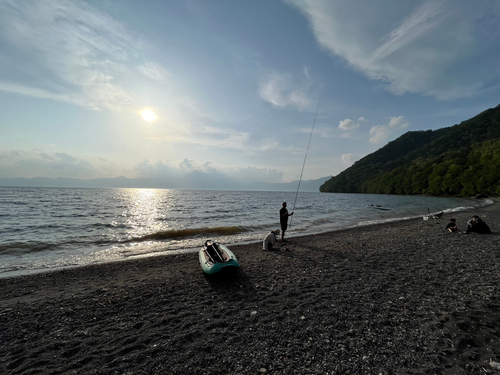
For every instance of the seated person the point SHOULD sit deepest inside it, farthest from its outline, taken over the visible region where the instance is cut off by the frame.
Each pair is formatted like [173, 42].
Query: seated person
[270, 240]
[452, 226]
[476, 225]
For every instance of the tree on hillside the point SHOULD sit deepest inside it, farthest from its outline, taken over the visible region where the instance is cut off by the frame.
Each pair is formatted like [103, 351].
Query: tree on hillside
[460, 160]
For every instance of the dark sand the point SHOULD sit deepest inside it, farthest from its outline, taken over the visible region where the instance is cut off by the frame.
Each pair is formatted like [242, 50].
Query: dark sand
[400, 298]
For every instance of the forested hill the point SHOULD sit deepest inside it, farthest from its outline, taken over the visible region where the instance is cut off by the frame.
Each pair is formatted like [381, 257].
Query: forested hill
[463, 159]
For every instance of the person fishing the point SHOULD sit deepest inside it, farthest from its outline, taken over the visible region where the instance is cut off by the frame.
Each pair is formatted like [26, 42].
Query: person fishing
[284, 220]
[284, 212]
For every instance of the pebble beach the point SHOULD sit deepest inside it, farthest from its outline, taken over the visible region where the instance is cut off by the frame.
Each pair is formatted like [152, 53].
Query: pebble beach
[403, 297]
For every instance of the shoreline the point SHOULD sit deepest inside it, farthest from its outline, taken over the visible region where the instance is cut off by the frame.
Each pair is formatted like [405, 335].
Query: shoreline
[397, 297]
[35, 271]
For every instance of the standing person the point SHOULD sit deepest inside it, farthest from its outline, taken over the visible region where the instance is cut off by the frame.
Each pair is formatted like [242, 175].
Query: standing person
[284, 220]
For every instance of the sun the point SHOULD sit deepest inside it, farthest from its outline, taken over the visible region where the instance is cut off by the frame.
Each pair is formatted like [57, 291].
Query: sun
[148, 115]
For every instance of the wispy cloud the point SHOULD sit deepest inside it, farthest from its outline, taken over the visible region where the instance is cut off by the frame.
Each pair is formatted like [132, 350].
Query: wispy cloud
[154, 71]
[281, 91]
[44, 94]
[238, 141]
[380, 133]
[199, 134]
[428, 47]
[420, 22]
[223, 137]
[73, 53]
[319, 131]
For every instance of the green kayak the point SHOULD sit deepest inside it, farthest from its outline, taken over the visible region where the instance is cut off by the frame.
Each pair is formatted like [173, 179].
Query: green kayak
[216, 258]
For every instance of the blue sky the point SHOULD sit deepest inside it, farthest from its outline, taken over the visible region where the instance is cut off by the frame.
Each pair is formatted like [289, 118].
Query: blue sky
[235, 84]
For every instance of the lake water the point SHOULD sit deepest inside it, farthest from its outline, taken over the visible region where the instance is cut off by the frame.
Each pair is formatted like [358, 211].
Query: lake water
[47, 228]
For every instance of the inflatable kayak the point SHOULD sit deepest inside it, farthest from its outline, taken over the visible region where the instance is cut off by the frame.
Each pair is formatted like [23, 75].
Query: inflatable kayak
[215, 258]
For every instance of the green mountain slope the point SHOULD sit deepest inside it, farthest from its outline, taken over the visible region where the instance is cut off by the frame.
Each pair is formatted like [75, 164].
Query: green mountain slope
[461, 159]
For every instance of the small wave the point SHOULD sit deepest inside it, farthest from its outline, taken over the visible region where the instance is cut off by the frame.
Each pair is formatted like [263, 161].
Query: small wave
[479, 204]
[113, 224]
[19, 203]
[457, 209]
[221, 216]
[191, 232]
[19, 248]
[381, 221]
[323, 221]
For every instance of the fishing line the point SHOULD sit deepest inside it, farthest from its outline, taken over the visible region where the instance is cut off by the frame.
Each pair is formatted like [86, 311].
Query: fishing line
[304, 164]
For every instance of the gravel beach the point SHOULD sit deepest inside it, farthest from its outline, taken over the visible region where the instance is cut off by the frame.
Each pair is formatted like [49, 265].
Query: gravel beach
[398, 298]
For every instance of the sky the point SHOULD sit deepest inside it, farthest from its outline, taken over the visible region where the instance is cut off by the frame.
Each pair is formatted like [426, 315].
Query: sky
[164, 88]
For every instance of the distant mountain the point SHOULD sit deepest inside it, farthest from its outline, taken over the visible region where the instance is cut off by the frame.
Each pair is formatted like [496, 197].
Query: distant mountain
[194, 180]
[462, 160]
[307, 185]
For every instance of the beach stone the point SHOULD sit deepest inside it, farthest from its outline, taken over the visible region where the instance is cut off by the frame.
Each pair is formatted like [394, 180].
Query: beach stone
[495, 365]
[443, 297]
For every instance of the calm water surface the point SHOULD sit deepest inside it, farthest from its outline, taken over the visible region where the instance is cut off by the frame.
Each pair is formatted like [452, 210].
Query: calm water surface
[47, 228]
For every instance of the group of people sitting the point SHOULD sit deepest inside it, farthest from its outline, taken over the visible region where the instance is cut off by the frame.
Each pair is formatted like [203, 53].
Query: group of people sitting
[474, 225]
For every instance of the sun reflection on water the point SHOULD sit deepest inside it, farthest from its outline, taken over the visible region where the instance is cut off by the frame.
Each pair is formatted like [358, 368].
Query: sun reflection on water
[144, 208]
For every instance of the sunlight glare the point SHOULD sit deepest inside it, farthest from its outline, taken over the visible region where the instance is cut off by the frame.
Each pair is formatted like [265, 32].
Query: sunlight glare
[148, 115]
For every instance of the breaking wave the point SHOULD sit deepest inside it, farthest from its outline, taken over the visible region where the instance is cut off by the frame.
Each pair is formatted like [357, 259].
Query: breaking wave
[190, 232]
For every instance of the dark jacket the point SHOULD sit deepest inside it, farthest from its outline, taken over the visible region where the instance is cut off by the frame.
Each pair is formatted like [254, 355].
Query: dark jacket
[478, 227]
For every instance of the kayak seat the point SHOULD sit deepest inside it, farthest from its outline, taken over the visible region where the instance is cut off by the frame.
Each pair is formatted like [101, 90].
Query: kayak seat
[214, 254]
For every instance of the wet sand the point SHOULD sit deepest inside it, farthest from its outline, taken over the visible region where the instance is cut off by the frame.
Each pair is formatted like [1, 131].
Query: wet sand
[399, 298]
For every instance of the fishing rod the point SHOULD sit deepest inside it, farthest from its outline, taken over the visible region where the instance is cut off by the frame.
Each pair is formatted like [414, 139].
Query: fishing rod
[304, 164]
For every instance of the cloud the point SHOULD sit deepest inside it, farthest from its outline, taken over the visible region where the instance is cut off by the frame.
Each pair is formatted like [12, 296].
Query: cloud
[348, 124]
[398, 122]
[430, 47]
[380, 133]
[272, 146]
[182, 168]
[281, 91]
[43, 163]
[322, 132]
[154, 71]
[171, 169]
[254, 174]
[348, 159]
[422, 21]
[203, 135]
[40, 163]
[44, 94]
[70, 52]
